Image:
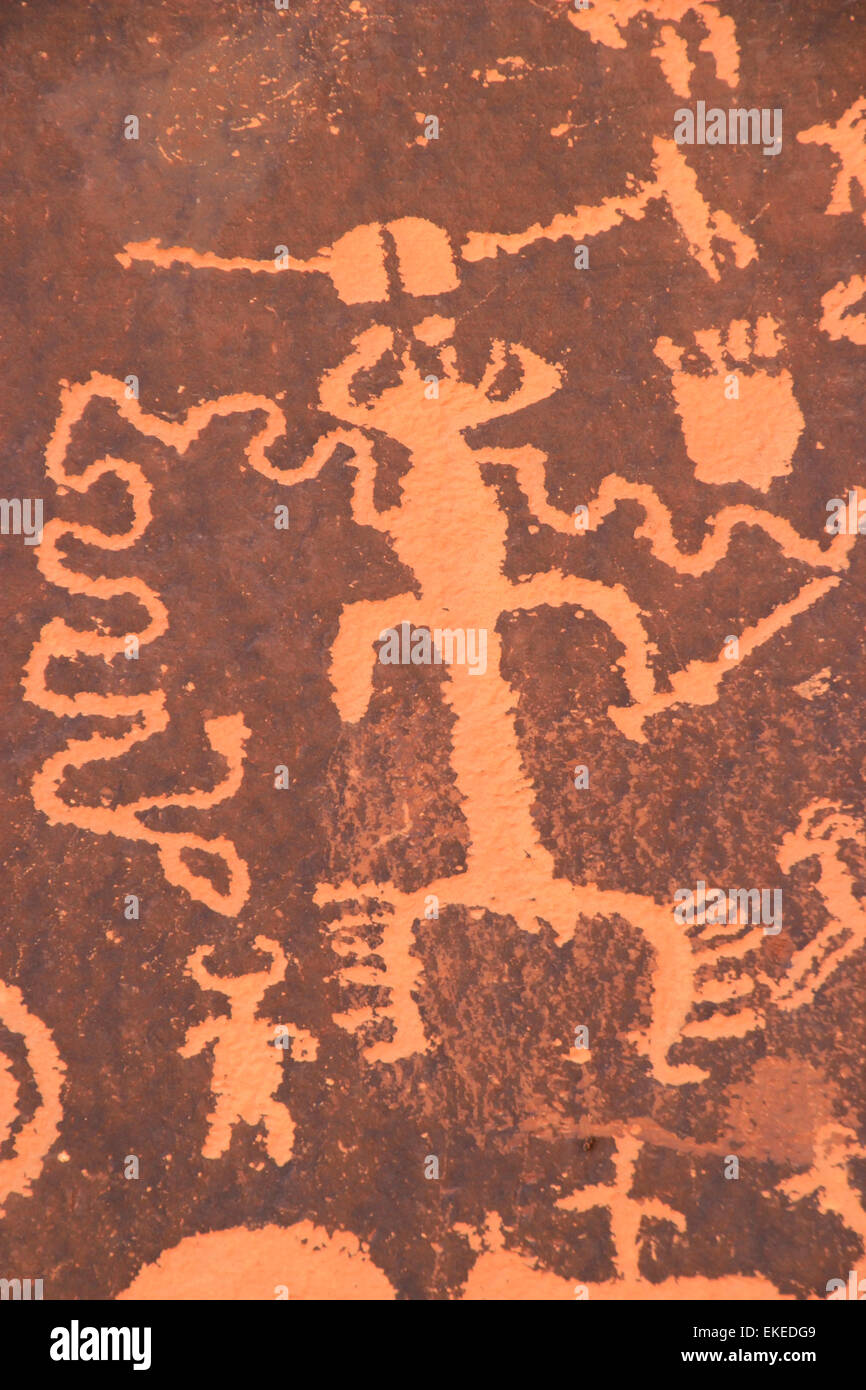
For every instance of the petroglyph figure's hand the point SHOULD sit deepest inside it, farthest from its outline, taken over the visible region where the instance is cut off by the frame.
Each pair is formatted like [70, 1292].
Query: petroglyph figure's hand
[740, 418]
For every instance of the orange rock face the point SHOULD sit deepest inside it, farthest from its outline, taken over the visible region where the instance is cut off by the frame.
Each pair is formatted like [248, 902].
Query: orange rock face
[434, 584]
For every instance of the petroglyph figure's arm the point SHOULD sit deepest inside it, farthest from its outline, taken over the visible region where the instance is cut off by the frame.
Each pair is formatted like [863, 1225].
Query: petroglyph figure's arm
[657, 528]
[539, 379]
[277, 969]
[610, 602]
[196, 967]
[198, 1037]
[660, 1211]
[699, 681]
[353, 659]
[335, 391]
[837, 320]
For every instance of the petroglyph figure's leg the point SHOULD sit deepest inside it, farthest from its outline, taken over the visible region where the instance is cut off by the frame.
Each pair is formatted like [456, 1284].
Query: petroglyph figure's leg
[673, 969]
[279, 1132]
[221, 1121]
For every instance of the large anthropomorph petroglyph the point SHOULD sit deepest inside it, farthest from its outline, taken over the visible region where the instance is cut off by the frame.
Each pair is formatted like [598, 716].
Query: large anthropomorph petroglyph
[444, 500]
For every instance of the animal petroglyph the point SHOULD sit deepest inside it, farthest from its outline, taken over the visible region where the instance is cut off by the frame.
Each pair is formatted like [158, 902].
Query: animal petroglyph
[145, 713]
[34, 1138]
[247, 1065]
[821, 830]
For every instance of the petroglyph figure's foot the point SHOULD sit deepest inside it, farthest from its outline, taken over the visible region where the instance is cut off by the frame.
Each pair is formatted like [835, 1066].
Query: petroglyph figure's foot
[741, 421]
[370, 910]
[822, 830]
[535, 900]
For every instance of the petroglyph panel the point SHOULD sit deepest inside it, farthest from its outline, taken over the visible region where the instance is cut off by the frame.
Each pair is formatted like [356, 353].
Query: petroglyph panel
[434, 834]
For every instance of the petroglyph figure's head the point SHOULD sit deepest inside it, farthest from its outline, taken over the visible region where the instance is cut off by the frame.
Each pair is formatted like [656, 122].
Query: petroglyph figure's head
[243, 985]
[401, 408]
